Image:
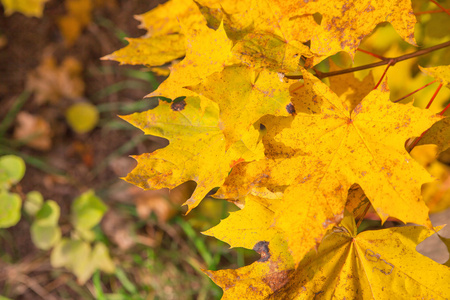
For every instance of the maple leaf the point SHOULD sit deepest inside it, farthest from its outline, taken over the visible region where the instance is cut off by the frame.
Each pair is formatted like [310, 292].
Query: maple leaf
[346, 264]
[441, 73]
[252, 228]
[259, 93]
[439, 133]
[30, 8]
[337, 148]
[375, 264]
[165, 38]
[265, 37]
[344, 24]
[152, 51]
[196, 151]
[207, 52]
[361, 146]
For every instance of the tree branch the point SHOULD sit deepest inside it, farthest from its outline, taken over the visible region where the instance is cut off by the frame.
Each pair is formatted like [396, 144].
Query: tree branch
[386, 61]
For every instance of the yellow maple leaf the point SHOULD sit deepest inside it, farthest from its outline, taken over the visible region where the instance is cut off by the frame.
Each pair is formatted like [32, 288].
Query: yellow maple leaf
[344, 24]
[30, 8]
[207, 52]
[441, 73]
[151, 51]
[252, 228]
[362, 146]
[165, 19]
[196, 151]
[166, 27]
[378, 264]
[336, 148]
[346, 264]
[258, 94]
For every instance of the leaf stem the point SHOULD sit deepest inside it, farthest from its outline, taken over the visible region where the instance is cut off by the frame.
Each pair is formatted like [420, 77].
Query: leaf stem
[384, 73]
[434, 96]
[371, 54]
[430, 83]
[440, 6]
[377, 64]
[442, 112]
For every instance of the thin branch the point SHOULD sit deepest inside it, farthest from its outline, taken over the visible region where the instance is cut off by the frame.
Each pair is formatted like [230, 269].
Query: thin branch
[434, 96]
[377, 64]
[441, 7]
[445, 109]
[371, 54]
[384, 73]
[406, 96]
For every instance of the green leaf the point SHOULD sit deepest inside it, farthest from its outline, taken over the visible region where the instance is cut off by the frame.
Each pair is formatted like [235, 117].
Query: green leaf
[12, 169]
[45, 237]
[10, 205]
[78, 257]
[48, 215]
[45, 231]
[33, 203]
[87, 211]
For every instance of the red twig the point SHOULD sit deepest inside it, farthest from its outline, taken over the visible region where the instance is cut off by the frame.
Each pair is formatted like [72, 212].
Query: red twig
[440, 6]
[371, 54]
[391, 63]
[377, 64]
[417, 140]
[434, 96]
[398, 100]
[442, 112]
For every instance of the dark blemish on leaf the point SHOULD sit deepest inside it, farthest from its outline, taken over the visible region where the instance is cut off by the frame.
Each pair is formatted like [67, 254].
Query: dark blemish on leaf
[290, 109]
[178, 104]
[263, 249]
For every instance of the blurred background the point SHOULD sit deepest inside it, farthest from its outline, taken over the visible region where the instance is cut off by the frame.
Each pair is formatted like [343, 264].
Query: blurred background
[83, 232]
[59, 112]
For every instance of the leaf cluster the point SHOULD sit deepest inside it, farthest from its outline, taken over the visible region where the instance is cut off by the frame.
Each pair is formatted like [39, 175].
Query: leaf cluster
[303, 159]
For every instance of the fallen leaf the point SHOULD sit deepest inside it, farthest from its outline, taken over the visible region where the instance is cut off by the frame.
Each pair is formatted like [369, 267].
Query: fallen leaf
[78, 16]
[33, 131]
[51, 82]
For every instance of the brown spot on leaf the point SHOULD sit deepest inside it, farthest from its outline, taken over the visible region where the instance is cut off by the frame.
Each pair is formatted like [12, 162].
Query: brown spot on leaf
[277, 280]
[178, 106]
[290, 109]
[263, 249]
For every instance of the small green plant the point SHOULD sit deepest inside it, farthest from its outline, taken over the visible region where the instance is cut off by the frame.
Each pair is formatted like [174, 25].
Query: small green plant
[81, 253]
[12, 169]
